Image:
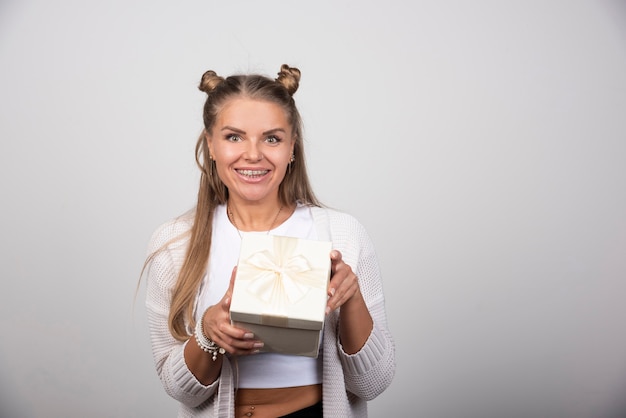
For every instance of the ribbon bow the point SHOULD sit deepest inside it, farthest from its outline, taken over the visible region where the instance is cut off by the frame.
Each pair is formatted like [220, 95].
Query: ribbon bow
[280, 276]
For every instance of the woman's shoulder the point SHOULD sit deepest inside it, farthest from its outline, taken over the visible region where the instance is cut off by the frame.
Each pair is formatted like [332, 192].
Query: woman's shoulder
[333, 214]
[171, 233]
[337, 218]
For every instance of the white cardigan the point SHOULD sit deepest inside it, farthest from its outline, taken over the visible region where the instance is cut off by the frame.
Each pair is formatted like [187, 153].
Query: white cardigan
[348, 380]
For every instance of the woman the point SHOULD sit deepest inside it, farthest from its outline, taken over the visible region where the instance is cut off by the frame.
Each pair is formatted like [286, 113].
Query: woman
[254, 179]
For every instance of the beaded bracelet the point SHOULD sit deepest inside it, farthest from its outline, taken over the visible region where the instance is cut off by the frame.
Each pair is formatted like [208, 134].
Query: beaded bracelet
[207, 345]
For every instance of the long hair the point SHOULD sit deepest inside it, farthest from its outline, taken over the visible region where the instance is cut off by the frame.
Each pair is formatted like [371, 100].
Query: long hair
[295, 187]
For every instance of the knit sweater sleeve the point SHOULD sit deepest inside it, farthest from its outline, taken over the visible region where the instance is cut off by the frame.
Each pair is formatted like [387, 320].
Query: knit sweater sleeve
[168, 244]
[370, 371]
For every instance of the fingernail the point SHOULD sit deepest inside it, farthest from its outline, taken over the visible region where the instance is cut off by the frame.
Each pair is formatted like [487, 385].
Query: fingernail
[332, 291]
[248, 335]
[327, 310]
[258, 345]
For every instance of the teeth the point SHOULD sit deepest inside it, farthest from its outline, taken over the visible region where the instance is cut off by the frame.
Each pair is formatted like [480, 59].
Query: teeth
[252, 172]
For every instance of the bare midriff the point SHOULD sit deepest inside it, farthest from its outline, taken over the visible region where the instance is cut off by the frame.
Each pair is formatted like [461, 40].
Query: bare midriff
[272, 403]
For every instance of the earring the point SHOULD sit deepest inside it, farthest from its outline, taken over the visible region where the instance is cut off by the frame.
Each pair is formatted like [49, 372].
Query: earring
[291, 160]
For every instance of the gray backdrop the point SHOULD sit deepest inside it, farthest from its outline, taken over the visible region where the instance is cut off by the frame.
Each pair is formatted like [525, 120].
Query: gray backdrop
[483, 145]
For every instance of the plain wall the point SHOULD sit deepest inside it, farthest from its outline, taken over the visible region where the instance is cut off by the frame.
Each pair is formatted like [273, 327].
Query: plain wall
[482, 144]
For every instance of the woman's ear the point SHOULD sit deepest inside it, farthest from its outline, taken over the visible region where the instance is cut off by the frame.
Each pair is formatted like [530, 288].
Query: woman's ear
[293, 146]
[209, 142]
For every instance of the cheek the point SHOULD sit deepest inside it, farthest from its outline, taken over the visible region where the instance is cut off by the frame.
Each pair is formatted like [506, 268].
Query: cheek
[286, 155]
[282, 162]
[225, 155]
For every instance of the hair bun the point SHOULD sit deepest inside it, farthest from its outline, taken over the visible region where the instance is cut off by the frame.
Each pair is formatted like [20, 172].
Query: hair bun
[289, 77]
[209, 81]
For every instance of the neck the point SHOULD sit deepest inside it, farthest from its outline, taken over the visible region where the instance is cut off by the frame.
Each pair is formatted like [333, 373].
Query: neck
[255, 217]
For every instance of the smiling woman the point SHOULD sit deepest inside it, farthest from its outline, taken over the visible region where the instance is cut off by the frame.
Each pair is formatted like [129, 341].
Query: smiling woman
[252, 146]
[254, 180]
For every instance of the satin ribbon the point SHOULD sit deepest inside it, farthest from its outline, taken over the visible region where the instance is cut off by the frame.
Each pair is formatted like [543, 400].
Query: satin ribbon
[280, 276]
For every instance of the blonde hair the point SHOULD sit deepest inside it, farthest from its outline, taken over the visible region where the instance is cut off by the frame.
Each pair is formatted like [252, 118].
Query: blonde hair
[295, 187]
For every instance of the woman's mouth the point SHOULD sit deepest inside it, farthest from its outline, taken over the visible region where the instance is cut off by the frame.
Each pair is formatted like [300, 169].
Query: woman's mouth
[252, 173]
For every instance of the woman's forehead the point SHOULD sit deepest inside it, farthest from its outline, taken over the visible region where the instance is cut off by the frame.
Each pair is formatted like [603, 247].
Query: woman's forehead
[252, 114]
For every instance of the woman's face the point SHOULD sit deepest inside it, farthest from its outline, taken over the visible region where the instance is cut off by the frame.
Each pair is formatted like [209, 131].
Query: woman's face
[251, 143]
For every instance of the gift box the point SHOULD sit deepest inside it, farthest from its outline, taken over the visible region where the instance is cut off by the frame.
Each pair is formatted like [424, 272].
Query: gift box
[280, 292]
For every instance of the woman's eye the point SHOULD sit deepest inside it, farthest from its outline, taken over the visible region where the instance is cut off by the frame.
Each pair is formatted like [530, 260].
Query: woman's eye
[233, 137]
[273, 139]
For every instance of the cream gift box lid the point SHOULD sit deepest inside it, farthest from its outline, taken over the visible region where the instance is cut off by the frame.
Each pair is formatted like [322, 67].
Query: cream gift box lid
[281, 281]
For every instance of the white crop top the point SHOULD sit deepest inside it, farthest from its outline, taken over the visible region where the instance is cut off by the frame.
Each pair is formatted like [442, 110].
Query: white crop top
[263, 370]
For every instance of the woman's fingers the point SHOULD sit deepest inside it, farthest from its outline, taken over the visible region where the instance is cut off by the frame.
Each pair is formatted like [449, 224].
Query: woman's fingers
[343, 283]
[229, 292]
[233, 339]
[237, 341]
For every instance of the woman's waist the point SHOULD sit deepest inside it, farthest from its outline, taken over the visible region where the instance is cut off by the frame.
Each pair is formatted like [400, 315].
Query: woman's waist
[275, 402]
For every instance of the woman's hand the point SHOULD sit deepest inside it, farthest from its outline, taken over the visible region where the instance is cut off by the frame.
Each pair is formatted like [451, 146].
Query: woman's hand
[355, 321]
[218, 328]
[344, 285]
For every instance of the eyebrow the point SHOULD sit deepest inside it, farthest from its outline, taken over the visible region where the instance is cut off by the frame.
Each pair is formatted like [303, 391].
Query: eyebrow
[240, 131]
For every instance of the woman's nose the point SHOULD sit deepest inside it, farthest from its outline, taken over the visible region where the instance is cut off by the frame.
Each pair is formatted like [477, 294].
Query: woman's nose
[253, 151]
